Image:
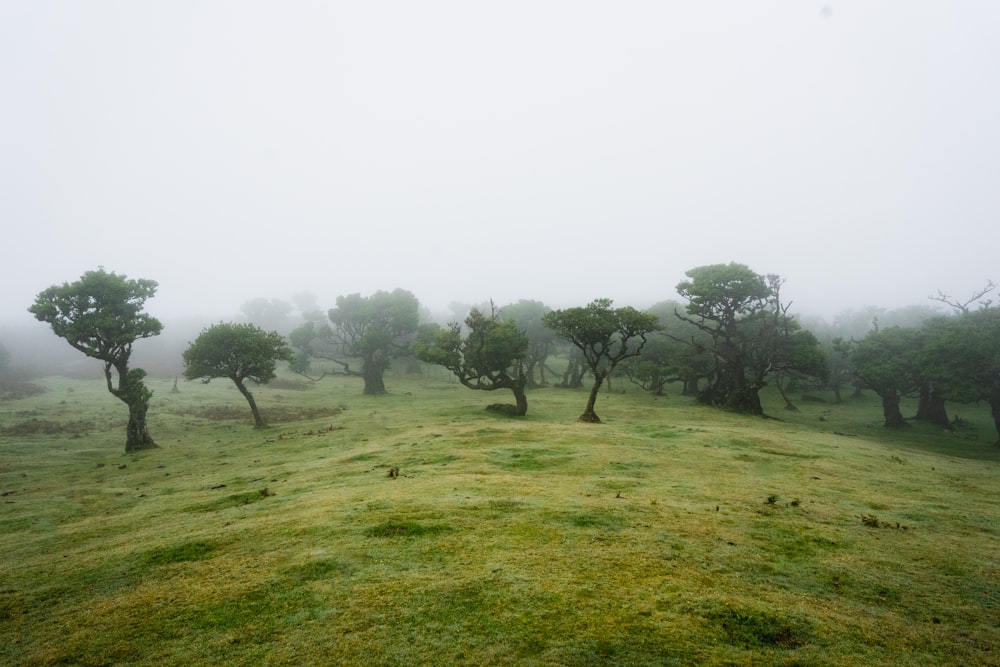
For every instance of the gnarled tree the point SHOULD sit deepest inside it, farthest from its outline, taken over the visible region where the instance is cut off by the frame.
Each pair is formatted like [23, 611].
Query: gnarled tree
[101, 315]
[748, 332]
[605, 336]
[886, 362]
[373, 330]
[239, 352]
[489, 357]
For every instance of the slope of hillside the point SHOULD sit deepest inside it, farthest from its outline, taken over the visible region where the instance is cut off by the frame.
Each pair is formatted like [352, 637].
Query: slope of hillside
[416, 528]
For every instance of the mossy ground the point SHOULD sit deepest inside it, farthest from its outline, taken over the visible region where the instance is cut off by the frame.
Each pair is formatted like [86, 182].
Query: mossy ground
[670, 534]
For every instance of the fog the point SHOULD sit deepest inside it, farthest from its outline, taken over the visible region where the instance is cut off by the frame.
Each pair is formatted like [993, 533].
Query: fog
[558, 151]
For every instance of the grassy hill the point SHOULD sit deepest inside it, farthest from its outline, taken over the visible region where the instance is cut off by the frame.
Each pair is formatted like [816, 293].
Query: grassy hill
[416, 528]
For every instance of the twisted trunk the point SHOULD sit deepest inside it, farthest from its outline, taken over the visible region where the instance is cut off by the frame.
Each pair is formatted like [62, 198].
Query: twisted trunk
[374, 382]
[258, 421]
[890, 408]
[132, 392]
[589, 416]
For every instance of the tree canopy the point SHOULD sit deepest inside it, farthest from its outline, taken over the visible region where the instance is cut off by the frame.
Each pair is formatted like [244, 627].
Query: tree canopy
[605, 336]
[885, 361]
[239, 352]
[487, 358]
[748, 332]
[374, 330]
[101, 315]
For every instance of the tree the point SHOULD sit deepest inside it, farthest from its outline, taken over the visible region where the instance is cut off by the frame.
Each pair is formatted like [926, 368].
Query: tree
[487, 358]
[963, 307]
[747, 331]
[885, 362]
[239, 352]
[528, 316]
[667, 356]
[964, 359]
[795, 355]
[374, 330]
[102, 316]
[605, 336]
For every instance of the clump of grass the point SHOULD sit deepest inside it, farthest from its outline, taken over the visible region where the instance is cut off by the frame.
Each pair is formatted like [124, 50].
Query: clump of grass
[870, 520]
[180, 553]
[595, 520]
[404, 529]
[234, 500]
[755, 628]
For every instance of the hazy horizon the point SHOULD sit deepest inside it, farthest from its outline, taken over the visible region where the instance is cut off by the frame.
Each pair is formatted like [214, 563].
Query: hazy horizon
[556, 151]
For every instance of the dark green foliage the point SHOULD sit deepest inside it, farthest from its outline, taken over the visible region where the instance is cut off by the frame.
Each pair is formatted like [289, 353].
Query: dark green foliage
[374, 330]
[487, 358]
[886, 362]
[669, 355]
[747, 331]
[101, 315]
[962, 356]
[605, 336]
[239, 352]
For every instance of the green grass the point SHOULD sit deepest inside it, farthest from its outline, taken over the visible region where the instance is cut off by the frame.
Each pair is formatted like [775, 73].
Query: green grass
[672, 534]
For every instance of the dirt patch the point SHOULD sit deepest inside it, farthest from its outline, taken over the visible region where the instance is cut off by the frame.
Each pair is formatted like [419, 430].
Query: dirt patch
[11, 390]
[274, 415]
[36, 426]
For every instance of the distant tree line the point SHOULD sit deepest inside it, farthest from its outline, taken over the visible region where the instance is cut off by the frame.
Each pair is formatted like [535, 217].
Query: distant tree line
[729, 337]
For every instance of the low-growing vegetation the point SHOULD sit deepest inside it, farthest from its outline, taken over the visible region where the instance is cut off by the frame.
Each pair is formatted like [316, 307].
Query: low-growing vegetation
[418, 528]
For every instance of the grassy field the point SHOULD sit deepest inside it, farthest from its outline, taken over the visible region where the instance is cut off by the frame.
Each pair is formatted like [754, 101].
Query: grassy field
[672, 534]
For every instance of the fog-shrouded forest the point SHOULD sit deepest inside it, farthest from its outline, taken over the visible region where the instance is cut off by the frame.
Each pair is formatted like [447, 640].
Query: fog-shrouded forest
[759, 489]
[531, 333]
[726, 336]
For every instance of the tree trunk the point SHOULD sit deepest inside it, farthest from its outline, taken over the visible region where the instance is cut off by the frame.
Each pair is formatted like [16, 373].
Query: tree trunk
[890, 408]
[529, 373]
[136, 434]
[589, 415]
[132, 392]
[995, 411]
[520, 399]
[931, 406]
[258, 422]
[374, 383]
[745, 400]
[779, 383]
[573, 377]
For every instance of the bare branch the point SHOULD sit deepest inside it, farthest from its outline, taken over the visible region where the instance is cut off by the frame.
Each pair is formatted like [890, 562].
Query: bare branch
[963, 306]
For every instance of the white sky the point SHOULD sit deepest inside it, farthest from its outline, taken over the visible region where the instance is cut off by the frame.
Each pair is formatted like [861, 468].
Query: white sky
[553, 150]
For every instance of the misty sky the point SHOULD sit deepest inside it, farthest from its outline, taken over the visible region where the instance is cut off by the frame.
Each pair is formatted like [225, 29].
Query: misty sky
[554, 150]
